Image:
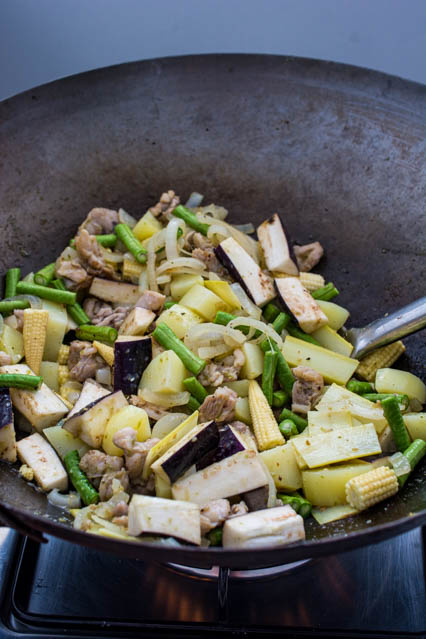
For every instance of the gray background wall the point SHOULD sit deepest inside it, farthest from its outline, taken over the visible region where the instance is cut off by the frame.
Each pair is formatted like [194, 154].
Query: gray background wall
[41, 40]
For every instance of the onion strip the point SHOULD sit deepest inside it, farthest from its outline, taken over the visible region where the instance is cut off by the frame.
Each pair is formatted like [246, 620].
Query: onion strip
[253, 324]
[250, 308]
[166, 400]
[155, 242]
[179, 263]
[71, 500]
[172, 247]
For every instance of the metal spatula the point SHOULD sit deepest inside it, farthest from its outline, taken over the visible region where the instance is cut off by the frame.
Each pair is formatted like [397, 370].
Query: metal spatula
[406, 320]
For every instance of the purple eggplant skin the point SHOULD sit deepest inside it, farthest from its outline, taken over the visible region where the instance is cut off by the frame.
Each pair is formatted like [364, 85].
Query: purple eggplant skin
[229, 265]
[6, 413]
[206, 440]
[131, 357]
[256, 499]
[228, 445]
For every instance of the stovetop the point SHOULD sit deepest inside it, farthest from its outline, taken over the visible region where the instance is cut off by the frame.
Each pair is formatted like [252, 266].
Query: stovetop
[59, 589]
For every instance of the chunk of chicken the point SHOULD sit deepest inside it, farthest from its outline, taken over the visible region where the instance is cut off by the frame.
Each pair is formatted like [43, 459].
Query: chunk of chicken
[163, 209]
[227, 370]
[90, 254]
[306, 389]
[151, 300]
[73, 272]
[308, 255]
[153, 412]
[208, 257]
[220, 406]
[106, 487]
[5, 359]
[135, 452]
[102, 314]
[96, 464]
[214, 514]
[100, 221]
[83, 360]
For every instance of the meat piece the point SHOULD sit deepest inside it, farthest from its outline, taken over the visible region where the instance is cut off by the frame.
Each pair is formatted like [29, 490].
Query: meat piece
[238, 509]
[106, 487]
[102, 314]
[5, 359]
[121, 521]
[134, 452]
[142, 487]
[100, 221]
[153, 412]
[194, 240]
[90, 254]
[120, 509]
[306, 389]
[95, 464]
[92, 307]
[163, 209]
[83, 360]
[73, 271]
[214, 514]
[220, 406]
[151, 300]
[308, 255]
[227, 370]
[19, 315]
[208, 257]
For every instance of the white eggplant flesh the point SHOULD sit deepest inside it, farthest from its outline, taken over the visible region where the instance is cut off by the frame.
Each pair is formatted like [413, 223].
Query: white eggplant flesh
[337, 398]
[38, 454]
[8, 443]
[158, 516]
[230, 476]
[118, 292]
[137, 322]
[91, 392]
[275, 246]
[271, 527]
[258, 285]
[90, 423]
[301, 304]
[41, 407]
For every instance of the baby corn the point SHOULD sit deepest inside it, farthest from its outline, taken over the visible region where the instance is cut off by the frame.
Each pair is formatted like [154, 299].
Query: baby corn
[311, 281]
[264, 423]
[131, 270]
[63, 374]
[107, 352]
[34, 332]
[63, 354]
[380, 358]
[369, 488]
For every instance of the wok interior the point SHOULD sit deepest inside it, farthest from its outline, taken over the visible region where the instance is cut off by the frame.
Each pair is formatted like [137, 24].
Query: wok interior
[335, 150]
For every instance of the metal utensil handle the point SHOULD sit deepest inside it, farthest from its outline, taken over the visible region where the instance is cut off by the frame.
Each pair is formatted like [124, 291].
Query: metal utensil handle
[406, 320]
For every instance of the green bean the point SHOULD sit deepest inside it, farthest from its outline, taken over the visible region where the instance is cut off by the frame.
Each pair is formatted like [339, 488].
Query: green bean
[27, 382]
[193, 404]
[79, 478]
[281, 322]
[294, 331]
[196, 389]
[300, 422]
[359, 388]
[130, 241]
[45, 275]
[279, 398]
[268, 375]
[379, 397]
[60, 297]
[191, 219]
[394, 418]
[325, 293]
[288, 428]
[109, 240]
[167, 338]
[215, 536]
[284, 375]
[168, 304]
[301, 505]
[76, 312]
[270, 312]
[8, 306]
[414, 453]
[99, 333]
[12, 278]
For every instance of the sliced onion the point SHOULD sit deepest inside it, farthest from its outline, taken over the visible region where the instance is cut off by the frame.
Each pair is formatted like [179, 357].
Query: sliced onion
[179, 263]
[163, 279]
[245, 228]
[126, 218]
[155, 242]
[194, 200]
[248, 243]
[172, 248]
[143, 280]
[218, 212]
[103, 376]
[68, 253]
[253, 324]
[250, 308]
[71, 500]
[166, 400]
[215, 277]
[217, 233]
[209, 352]
[34, 301]
[71, 390]
[400, 464]
[167, 423]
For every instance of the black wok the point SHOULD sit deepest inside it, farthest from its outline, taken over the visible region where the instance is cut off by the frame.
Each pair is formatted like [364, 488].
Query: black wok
[337, 150]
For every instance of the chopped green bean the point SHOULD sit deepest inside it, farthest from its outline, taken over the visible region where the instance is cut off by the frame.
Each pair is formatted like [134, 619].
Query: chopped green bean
[270, 312]
[168, 304]
[359, 388]
[12, 278]
[167, 338]
[281, 322]
[8, 306]
[27, 382]
[394, 418]
[130, 241]
[301, 505]
[193, 404]
[279, 398]
[79, 478]
[45, 275]
[414, 453]
[284, 375]
[300, 422]
[60, 297]
[288, 428]
[294, 331]
[379, 397]
[215, 536]
[109, 240]
[191, 219]
[325, 293]
[76, 312]
[99, 333]
[268, 375]
[196, 389]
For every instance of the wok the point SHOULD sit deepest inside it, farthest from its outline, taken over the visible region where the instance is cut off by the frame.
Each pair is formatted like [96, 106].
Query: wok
[337, 150]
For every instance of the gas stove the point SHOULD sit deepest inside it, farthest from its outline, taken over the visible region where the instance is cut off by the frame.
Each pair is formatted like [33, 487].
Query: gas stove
[63, 590]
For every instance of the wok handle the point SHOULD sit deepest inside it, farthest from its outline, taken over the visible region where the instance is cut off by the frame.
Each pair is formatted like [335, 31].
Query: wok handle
[406, 320]
[8, 519]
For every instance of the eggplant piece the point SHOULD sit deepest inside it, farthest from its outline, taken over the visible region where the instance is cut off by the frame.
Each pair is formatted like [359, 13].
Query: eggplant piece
[200, 441]
[300, 303]
[111, 291]
[278, 255]
[89, 424]
[132, 355]
[165, 517]
[257, 499]
[36, 452]
[230, 443]
[257, 284]
[271, 527]
[90, 392]
[7, 429]
[231, 476]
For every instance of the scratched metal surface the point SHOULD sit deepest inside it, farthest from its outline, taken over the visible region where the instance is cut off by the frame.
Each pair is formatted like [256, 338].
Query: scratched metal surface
[337, 150]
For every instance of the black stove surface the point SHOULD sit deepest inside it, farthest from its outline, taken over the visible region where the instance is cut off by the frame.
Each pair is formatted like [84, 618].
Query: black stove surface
[59, 589]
